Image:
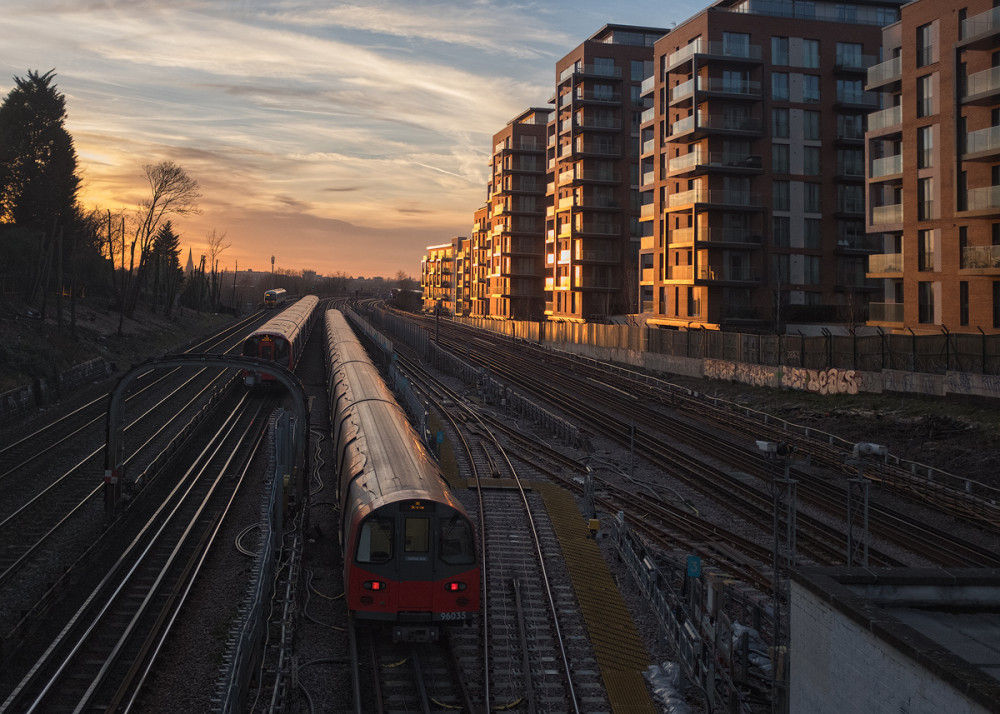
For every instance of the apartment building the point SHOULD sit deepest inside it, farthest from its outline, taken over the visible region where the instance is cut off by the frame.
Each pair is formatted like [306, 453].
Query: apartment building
[437, 276]
[463, 275]
[480, 247]
[513, 252]
[934, 185]
[752, 166]
[592, 223]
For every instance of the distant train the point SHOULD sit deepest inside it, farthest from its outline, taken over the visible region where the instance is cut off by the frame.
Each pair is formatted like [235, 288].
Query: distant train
[281, 339]
[409, 547]
[273, 298]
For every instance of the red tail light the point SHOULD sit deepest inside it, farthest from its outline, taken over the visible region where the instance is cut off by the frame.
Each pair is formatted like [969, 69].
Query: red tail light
[454, 587]
[373, 585]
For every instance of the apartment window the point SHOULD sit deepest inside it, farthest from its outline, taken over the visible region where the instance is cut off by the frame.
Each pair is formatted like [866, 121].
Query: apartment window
[850, 199]
[604, 66]
[925, 147]
[810, 266]
[925, 96]
[781, 231]
[925, 45]
[810, 160]
[779, 50]
[963, 303]
[779, 123]
[850, 162]
[925, 250]
[736, 81]
[850, 126]
[779, 195]
[850, 91]
[736, 44]
[812, 233]
[694, 304]
[779, 158]
[640, 70]
[782, 274]
[810, 88]
[779, 86]
[810, 53]
[812, 197]
[850, 233]
[849, 54]
[925, 306]
[810, 125]
[925, 199]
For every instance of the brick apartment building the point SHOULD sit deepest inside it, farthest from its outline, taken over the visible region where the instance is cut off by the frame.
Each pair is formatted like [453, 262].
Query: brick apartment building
[514, 244]
[592, 223]
[480, 248]
[437, 276]
[753, 169]
[933, 189]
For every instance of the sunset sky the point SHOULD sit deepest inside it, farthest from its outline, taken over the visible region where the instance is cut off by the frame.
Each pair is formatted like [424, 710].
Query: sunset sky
[334, 136]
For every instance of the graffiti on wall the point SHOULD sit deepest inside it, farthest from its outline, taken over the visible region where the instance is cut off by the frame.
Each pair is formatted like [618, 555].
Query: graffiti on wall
[823, 381]
[753, 374]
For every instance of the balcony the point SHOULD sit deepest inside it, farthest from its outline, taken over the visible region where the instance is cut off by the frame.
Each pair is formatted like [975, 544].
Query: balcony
[648, 115]
[729, 274]
[682, 91]
[684, 54]
[885, 73]
[885, 312]
[980, 29]
[982, 144]
[982, 87]
[648, 179]
[646, 212]
[850, 99]
[715, 50]
[885, 263]
[648, 85]
[591, 70]
[733, 88]
[983, 201]
[699, 160]
[680, 272]
[594, 148]
[981, 257]
[647, 276]
[591, 96]
[891, 118]
[889, 215]
[887, 166]
[720, 198]
[701, 125]
[854, 63]
[739, 236]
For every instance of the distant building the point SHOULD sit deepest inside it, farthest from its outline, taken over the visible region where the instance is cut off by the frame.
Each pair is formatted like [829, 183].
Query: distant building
[592, 225]
[189, 268]
[481, 248]
[934, 155]
[437, 277]
[753, 168]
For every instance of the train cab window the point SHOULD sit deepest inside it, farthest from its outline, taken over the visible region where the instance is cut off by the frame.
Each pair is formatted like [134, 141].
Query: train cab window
[375, 541]
[250, 347]
[418, 531]
[281, 351]
[456, 542]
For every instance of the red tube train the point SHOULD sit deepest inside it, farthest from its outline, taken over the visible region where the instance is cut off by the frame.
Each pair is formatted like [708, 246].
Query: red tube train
[409, 546]
[281, 339]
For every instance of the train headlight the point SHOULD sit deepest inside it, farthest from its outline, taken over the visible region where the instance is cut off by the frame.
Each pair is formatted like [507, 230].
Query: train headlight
[455, 587]
[373, 585]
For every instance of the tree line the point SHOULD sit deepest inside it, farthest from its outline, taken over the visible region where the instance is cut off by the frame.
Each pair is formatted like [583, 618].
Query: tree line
[52, 249]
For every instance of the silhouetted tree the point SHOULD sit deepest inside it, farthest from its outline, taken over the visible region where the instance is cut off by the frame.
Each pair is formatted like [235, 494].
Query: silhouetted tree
[38, 178]
[168, 275]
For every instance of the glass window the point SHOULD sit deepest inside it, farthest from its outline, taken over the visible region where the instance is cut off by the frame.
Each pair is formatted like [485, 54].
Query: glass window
[640, 70]
[812, 198]
[963, 302]
[925, 96]
[925, 250]
[850, 162]
[810, 53]
[779, 123]
[810, 125]
[810, 88]
[849, 54]
[604, 66]
[850, 91]
[781, 231]
[810, 160]
[781, 271]
[813, 233]
[779, 86]
[850, 126]
[925, 308]
[779, 50]
[925, 147]
[779, 196]
[375, 540]
[925, 45]
[736, 44]
[779, 158]
[810, 265]
[925, 199]
[417, 535]
[457, 546]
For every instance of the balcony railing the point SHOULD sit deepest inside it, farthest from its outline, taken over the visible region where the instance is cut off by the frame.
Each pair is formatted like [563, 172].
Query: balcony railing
[734, 273]
[682, 90]
[746, 87]
[599, 229]
[681, 235]
[684, 53]
[893, 116]
[686, 161]
[885, 263]
[887, 71]
[680, 272]
[593, 96]
[885, 312]
[723, 122]
[983, 199]
[887, 166]
[648, 84]
[984, 23]
[648, 146]
[985, 82]
[982, 140]
[981, 256]
[648, 115]
[703, 195]
[852, 97]
[887, 215]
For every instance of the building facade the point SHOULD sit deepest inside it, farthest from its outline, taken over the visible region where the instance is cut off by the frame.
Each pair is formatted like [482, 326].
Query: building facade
[437, 277]
[516, 193]
[934, 186]
[753, 169]
[592, 224]
[480, 247]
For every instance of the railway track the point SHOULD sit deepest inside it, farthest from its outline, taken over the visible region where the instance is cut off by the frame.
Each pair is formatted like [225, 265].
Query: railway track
[104, 650]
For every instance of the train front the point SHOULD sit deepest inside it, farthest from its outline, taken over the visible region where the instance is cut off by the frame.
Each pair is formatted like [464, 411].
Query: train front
[413, 562]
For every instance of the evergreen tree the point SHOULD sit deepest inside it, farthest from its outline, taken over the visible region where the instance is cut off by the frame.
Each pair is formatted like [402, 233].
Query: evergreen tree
[168, 275]
[38, 176]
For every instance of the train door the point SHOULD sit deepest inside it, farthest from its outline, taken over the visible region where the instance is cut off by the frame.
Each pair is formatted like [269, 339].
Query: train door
[266, 348]
[416, 566]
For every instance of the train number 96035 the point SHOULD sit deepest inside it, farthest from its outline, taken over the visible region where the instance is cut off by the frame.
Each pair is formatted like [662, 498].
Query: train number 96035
[451, 616]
